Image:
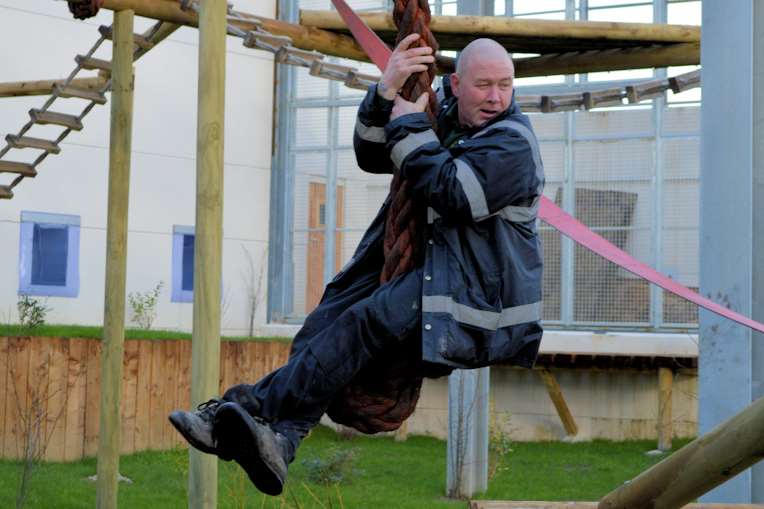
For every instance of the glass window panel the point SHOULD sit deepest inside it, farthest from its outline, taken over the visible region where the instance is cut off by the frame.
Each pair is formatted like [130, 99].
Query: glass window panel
[309, 87]
[613, 160]
[682, 119]
[346, 124]
[526, 6]
[635, 14]
[311, 127]
[627, 121]
[684, 13]
[681, 159]
[50, 247]
[188, 263]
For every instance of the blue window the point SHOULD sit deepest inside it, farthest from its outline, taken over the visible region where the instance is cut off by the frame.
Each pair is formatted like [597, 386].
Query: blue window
[49, 252]
[182, 264]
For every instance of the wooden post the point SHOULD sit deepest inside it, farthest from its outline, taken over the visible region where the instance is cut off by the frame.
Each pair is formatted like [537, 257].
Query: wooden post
[555, 393]
[116, 260]
[665, 422]
[208, 245]
[704, 463]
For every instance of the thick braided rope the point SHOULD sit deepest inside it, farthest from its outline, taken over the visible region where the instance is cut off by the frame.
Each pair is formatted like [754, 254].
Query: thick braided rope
[84, 9]
[385, 392]
[405, 220]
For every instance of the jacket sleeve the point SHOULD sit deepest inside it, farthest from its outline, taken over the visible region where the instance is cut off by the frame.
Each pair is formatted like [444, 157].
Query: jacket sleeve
[369, 136]
[499, 170]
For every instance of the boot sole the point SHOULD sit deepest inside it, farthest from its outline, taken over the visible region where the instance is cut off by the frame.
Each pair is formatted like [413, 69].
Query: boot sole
[243, 439]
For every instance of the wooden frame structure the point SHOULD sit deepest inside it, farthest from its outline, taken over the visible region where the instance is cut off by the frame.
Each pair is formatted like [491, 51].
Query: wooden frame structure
[710, 460]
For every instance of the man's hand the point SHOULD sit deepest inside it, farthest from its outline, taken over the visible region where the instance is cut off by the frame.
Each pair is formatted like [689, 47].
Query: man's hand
[403, 63]
[403, 107]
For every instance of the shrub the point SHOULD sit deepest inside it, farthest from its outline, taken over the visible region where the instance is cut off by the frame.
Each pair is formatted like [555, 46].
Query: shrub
[144, 306]
[31, 312]
[336, 467]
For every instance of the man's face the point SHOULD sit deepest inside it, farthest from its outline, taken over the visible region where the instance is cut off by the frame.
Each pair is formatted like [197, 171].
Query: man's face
[483, 89]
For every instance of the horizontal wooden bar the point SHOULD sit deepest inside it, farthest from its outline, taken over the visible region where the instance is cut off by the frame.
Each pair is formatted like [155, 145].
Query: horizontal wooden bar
[608, 60]
[81, 93]
[529, 28]
[54, 118]
[29, 142]
[138, 39]
[91, 63]
[45, 87]
[302, 37]
[18, 168]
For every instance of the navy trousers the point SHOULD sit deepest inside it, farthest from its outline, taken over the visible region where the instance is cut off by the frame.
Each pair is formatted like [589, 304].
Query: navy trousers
[349, 328]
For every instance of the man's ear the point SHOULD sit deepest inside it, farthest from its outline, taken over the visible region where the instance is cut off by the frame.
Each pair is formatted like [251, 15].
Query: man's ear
[454, 79]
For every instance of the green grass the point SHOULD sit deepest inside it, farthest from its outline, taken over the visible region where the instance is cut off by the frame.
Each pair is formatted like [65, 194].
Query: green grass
[390, 474]
[82, 331]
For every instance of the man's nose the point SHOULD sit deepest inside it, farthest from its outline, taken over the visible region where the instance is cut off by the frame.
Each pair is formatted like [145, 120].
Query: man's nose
[493, 94]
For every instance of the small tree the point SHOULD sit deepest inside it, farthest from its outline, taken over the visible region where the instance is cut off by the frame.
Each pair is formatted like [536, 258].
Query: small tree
[253, 282]
[32, 312]
[144, 306]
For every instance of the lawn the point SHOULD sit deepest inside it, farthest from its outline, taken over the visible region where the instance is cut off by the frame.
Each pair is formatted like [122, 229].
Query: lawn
[387, 474]
[92, 332]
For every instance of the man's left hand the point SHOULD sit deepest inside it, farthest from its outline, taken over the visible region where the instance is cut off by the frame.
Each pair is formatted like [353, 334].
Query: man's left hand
[403, 107]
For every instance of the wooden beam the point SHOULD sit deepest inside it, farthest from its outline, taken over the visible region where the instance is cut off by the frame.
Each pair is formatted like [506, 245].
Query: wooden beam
[45, 87]
[665, 420]
[116, 261]
[555, 393]
[302, 37]
[608, 60]
[643, 33]
[208, 242]
[701, 465]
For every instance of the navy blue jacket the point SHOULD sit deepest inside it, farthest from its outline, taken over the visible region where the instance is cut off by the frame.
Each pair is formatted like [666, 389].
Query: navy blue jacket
[481, 298]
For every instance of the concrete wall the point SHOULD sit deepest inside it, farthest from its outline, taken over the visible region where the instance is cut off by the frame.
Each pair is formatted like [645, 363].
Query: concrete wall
[38, 40]
[614, 405]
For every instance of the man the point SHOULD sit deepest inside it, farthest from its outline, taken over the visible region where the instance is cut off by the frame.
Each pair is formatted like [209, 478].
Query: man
[475, 299]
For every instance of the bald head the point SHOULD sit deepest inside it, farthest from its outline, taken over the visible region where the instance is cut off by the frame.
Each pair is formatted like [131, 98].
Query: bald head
[483, 50]
[483, 82]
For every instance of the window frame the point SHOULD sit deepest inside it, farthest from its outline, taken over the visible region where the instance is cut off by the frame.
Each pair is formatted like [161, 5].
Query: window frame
[28, 221]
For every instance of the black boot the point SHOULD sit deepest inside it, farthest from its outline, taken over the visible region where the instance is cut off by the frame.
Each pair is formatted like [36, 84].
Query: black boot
[257, 448]
[196, 426]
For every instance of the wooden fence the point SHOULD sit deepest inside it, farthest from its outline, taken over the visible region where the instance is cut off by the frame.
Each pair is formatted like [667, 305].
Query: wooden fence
[56, 383]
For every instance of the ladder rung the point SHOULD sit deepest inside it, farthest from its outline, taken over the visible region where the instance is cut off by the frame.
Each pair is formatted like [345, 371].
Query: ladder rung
[81, 93]
[92, 64]
[139, 40]
[29, 142]
[5, 193]
[51, 117]
[20, 168]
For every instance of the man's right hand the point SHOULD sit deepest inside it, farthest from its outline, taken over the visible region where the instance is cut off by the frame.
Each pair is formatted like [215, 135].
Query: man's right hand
[403, 63]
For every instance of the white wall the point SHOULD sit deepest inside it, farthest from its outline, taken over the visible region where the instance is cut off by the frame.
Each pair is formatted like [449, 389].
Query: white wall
[38, 40]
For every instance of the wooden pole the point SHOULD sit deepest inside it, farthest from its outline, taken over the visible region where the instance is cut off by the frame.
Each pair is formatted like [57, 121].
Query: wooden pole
[555, 393]
[530, 28]
[665, 421]
[208, 244]
[45, 87]
[704, 463]
[116, 261]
